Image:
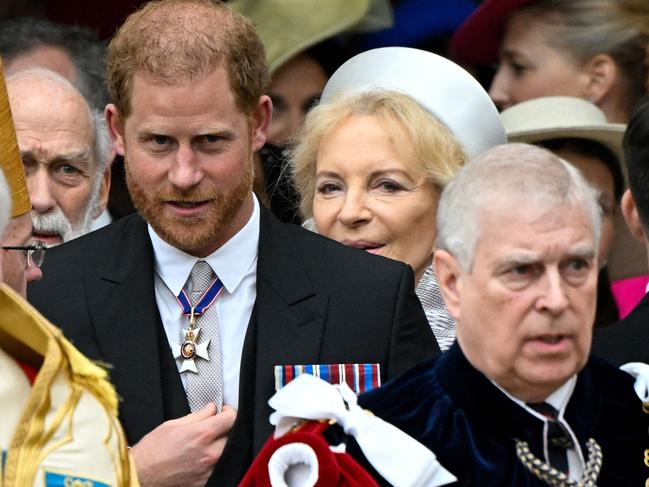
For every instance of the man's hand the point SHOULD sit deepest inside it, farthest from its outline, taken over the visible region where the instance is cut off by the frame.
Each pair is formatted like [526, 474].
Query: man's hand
[183, 451]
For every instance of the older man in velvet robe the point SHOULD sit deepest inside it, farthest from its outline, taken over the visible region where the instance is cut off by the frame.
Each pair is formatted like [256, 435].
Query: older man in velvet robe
[516, 401]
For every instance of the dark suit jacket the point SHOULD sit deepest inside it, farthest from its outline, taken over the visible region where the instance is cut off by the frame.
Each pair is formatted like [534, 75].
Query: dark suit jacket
[317, 302]
[627, 340]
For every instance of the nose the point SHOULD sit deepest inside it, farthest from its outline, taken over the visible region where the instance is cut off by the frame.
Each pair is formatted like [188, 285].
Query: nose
[354, 210]
[553, 298]
[499, 89]
[185, 171]
[40, 192]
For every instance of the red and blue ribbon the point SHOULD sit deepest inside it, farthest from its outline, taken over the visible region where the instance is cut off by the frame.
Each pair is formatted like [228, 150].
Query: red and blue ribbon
[207, 298]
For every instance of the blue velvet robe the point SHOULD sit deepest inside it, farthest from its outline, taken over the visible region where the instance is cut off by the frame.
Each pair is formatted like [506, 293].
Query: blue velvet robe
[471, 425]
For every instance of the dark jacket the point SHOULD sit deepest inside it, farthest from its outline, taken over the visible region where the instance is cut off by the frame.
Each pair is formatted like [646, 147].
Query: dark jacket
[627, 340]
[317, 302]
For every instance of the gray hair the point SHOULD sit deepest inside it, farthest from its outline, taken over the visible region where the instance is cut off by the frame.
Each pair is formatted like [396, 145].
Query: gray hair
[510, 173]
[5, 203]
[586, 28]
[102, 144]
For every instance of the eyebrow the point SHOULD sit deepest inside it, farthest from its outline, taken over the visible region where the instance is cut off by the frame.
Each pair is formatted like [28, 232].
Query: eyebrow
[147, 132]
[583, 251]
[372, 175]
[508, 53]
[516, 259]
[586, 252]
[77, 156]
[514, 55]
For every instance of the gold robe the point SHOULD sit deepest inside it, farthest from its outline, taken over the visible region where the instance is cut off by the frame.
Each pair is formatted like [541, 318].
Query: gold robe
[63, 429]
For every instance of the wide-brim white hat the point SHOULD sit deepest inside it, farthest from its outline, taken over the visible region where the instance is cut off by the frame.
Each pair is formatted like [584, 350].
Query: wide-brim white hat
[446, 90]
[562, 117]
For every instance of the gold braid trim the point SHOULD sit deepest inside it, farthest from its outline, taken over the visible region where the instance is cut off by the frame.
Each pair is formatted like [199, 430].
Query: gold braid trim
[556, 478]
[93, 377]
[24, 332]
[89, 375]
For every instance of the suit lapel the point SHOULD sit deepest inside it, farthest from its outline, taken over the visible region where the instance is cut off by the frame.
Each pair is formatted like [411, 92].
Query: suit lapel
[289, 315]
[126, 323]
[285, 328]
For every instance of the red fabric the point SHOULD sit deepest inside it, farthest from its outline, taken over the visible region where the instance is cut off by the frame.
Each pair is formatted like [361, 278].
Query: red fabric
[30, 371]
[334, 469]
[477, 41]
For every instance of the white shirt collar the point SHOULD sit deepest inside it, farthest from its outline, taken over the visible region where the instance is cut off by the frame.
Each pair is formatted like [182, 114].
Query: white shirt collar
[558, 399]
[230, 262]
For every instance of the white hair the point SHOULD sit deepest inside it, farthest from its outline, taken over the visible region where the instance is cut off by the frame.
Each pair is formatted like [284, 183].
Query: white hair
[517, 174]
[102, 145]
[5, 203]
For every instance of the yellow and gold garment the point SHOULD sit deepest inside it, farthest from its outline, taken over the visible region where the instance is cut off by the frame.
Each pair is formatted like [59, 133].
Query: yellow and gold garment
[63, 430]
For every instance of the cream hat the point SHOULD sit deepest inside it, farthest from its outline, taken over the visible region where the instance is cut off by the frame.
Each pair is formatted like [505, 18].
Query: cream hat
[442, 87]
[288, 27]
[562, 117]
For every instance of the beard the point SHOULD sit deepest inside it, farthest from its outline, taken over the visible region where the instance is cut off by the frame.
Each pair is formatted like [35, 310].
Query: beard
[55, 221]
[194, 233]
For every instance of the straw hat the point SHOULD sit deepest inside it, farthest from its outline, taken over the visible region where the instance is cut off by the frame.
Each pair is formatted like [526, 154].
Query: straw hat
[443, 88]
[562, 117]
[10, 161]
[477, 41]
[288, 27]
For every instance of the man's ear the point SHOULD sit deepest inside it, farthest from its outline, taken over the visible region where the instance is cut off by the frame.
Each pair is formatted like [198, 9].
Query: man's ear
[448, 270]
[631, 216]
[601, 74]
[104, 190]
[115, 128]
[261, 118]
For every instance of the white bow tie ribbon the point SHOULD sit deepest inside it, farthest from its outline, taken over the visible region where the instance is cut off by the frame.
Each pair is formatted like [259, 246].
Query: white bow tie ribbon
[399, 458]
[640, 372]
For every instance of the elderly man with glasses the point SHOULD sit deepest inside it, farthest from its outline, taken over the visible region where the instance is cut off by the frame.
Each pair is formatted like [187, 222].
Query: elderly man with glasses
[19, 264]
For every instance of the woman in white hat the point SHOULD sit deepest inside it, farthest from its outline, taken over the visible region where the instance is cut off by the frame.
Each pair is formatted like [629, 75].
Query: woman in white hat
[375, 155]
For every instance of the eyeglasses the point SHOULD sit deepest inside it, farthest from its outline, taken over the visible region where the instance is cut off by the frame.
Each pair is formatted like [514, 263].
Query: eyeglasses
[34, 253]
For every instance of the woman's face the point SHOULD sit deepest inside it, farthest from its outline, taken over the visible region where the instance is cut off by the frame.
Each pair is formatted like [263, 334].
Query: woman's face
[371, 197]
[530, 67]
[600, 177]
[294, 89]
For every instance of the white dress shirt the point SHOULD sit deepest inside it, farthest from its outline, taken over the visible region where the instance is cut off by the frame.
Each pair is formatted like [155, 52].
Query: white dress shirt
[235, 263]
[558, 400]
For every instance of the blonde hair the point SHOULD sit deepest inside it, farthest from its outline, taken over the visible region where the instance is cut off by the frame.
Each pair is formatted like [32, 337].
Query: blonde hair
[409, 125]
[586, 28]
[182, 40]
